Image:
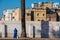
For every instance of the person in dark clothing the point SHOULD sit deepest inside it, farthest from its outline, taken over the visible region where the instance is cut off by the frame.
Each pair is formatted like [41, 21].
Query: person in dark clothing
[15, 33]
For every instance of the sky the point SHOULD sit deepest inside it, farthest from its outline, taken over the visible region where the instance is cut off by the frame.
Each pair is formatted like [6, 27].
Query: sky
[9, 4]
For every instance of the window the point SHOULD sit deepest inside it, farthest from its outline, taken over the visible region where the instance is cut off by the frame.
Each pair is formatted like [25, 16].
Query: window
[38, 14]
[13, 17]
[28, 14]
[13, 11]
[38, 20]
[56, 5]
[4, 15]
[43, 14]
[42, 20]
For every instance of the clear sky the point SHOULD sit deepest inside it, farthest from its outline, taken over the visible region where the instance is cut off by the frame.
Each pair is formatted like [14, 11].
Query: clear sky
[9, 4]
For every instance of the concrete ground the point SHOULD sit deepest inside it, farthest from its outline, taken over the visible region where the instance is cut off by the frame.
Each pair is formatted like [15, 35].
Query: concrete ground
[30, 39]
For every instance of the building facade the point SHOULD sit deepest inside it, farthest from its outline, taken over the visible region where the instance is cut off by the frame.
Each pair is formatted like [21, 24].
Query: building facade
[42, 5]
[56, 5]
[58, 12]
[11, 15]
[39, 14]
[50, 27]
[52, 17]
[15, 14]
[28, 14]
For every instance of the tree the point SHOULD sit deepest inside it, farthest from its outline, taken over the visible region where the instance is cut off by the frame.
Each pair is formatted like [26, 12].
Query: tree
[23, 18]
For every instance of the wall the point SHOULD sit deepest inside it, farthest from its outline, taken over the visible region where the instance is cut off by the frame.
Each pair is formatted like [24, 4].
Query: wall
[52, 17]
[39, 14]
[11, 25]
[54, 28]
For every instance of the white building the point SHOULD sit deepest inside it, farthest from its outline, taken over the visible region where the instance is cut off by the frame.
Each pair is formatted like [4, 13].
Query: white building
[12, 14]
[34, 5]
[56, 5]
[7, 14]
[53, 28]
